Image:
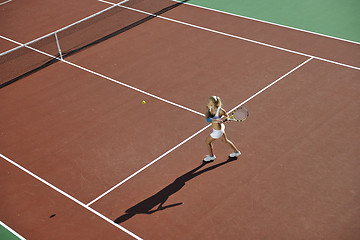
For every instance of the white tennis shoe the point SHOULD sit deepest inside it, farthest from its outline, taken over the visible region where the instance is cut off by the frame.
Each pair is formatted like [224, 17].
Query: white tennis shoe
[235, 154]
[209, 159]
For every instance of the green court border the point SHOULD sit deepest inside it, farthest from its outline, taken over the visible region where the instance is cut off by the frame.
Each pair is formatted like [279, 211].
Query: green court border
[6, 233]
[332, 18]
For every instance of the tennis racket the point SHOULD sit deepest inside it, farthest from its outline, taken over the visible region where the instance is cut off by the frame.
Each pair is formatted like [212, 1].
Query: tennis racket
[238, 115]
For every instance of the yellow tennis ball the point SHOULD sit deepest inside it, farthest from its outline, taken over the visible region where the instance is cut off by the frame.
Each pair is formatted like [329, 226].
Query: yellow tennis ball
[143, 102]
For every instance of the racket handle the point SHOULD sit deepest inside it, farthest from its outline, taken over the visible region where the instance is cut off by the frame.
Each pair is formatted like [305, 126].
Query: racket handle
[230, 120]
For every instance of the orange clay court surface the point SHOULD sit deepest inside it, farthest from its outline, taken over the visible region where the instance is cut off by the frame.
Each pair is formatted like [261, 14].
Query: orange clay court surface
[82, 158]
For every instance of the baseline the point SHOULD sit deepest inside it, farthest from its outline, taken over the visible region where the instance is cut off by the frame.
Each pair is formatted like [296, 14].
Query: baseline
[263, 21]
[234, 36]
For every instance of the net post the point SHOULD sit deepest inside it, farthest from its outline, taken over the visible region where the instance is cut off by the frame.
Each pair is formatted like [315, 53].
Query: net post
[58, 45]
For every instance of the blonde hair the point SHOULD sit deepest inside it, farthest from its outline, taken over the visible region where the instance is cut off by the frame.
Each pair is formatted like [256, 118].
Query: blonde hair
[216, 100]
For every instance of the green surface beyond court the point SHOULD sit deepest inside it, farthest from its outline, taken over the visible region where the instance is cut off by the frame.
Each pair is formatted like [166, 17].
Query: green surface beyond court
[336, 18]
[6, 235]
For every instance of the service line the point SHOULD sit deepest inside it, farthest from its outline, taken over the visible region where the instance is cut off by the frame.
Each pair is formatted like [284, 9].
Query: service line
[106, 77]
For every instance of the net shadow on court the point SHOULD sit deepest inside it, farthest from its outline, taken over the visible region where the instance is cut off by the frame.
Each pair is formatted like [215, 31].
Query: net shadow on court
[45, 51]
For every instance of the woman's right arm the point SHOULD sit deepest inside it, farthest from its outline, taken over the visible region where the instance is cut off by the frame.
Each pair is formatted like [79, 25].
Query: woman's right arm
[207, 115]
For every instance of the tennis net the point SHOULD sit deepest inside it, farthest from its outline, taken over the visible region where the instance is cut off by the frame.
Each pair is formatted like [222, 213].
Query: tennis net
[33, 56]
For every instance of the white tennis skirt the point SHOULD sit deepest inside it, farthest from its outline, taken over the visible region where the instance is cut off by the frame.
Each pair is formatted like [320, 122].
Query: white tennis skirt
[216, 134]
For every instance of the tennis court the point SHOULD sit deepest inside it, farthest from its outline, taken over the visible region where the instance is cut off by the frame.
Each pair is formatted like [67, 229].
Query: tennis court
[83, 158]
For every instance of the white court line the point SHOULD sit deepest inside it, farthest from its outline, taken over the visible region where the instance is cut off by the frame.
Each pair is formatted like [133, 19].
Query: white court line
[103, 76]
[192, 136]
[92, 210]
[157, 159]
[134, 88]
[12, 231]
[235, 36]
[151, 163]
[108, 78]
[206, 29]
[263, 21]
[5, 2]
[230, 35]
[277, 80]
[148, 165]
[70, 197]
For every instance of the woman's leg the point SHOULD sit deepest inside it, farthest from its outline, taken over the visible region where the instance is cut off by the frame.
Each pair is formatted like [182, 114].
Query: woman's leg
[209, 141]
[226, 140]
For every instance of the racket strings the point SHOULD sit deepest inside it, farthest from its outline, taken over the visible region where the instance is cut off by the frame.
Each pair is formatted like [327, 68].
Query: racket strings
[240, 114]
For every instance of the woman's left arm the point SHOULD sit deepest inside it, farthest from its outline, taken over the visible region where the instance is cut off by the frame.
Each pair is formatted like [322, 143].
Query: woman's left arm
[224, 115]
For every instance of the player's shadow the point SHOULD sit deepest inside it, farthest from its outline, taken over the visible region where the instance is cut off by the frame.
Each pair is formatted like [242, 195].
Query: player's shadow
[146, 206]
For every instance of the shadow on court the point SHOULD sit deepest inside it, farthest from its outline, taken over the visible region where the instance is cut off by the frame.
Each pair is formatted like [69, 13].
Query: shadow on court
[146, 206]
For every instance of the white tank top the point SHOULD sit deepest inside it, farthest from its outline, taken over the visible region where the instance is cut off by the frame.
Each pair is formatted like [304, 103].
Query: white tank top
[217, 113]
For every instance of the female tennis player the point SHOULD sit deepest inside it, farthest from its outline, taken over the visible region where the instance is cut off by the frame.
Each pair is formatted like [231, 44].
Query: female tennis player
[214, 112]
